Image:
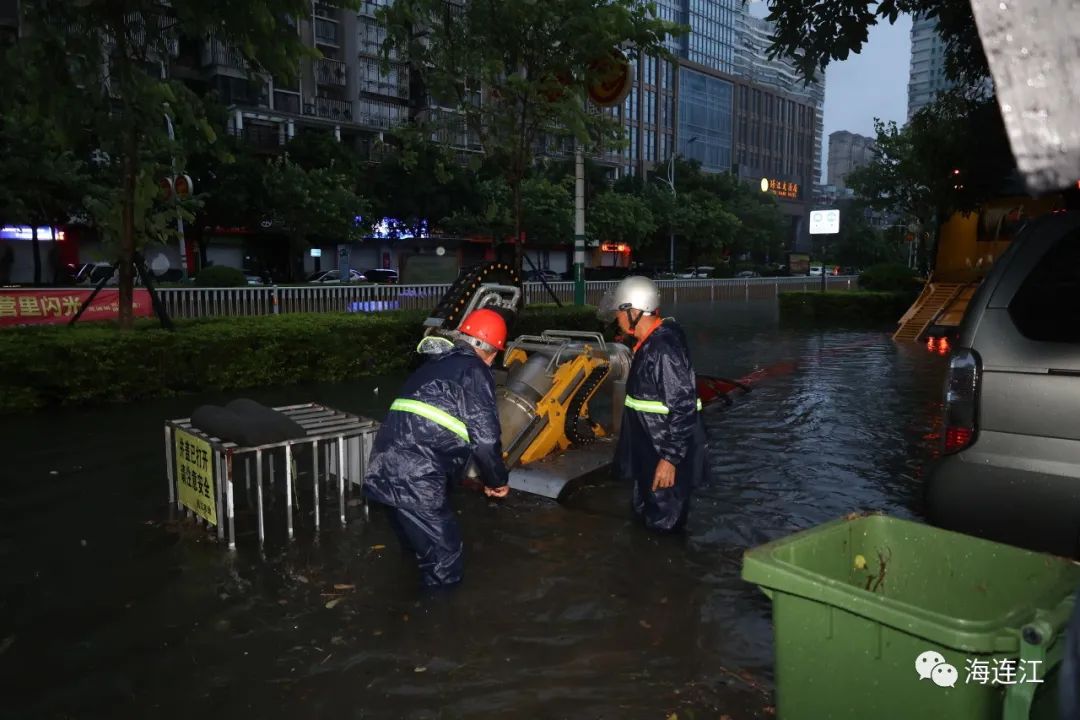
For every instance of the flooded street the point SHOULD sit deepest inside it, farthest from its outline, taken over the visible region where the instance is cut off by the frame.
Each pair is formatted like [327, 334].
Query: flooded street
[566, 610]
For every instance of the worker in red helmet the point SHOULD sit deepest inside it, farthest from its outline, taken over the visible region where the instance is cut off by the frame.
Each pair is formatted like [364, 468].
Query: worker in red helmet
[444, 415]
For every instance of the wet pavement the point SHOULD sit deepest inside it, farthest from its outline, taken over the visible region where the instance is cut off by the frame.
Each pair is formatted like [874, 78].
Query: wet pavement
[111, 610]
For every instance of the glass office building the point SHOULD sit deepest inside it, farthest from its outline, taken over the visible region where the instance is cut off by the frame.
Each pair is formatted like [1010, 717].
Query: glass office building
[705, 113]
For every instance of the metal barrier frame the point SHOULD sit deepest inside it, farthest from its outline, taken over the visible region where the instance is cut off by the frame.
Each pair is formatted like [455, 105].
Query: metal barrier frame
[323, 425]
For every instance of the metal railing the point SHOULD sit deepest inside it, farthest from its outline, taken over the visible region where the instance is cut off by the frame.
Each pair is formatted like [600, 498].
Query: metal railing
[330, 72]
[286, 101]
[257, 300]
[328, 108]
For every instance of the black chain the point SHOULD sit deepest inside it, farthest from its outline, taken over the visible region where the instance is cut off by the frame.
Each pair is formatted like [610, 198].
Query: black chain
[577, 403]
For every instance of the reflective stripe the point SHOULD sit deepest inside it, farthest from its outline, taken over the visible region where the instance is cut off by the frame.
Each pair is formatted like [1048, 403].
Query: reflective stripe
[651, 406]
[434, 414]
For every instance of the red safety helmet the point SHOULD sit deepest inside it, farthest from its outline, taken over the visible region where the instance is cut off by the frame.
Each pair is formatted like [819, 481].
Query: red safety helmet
[487, 326]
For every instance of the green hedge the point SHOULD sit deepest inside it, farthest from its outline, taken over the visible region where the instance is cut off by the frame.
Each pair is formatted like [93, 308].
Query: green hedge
[95, 363]
[890, 277]
[220, 276]
[858, 307]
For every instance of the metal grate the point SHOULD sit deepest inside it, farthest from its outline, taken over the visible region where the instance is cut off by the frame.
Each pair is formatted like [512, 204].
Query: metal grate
[342, 440]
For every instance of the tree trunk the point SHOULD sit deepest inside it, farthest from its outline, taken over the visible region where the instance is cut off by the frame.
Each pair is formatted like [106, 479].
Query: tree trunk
[519, 250]
[127, 232]
[36, 247]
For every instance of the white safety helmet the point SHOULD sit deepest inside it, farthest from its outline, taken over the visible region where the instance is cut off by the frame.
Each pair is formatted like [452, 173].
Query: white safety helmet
[633, 293]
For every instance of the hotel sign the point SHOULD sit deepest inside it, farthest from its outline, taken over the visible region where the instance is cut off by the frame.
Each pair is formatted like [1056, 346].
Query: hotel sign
[780, 188]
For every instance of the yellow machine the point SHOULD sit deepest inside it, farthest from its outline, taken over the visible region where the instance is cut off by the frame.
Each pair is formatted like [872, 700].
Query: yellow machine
[968, 246]
[549, 383]
[548, 388]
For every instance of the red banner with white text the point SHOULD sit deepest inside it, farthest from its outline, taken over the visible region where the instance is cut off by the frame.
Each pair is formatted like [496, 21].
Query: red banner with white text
[55, 307]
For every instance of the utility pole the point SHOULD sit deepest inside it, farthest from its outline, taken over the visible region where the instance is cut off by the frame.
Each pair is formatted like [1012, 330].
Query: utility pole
[671, 227]
[671, 184]
[176, 198]
[579, 225]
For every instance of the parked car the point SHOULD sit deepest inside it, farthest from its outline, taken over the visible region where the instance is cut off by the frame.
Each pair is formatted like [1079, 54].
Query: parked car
[548, 275]
[332, 276]
[382, 276]
[1010, 464]
[696, 273]
[815, 270]
[748, 274]
[90, 274]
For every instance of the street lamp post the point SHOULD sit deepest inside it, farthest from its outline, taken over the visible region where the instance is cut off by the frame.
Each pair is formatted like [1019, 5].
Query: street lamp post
[179, 215]
[671, 184]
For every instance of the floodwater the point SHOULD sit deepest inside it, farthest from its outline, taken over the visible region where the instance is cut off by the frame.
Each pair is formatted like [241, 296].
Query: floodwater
[109, 609]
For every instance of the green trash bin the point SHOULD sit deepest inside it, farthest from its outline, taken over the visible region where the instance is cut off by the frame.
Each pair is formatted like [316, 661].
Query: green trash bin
[878, 618]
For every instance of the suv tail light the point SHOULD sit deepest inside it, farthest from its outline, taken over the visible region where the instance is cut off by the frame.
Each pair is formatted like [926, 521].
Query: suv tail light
[961, 400]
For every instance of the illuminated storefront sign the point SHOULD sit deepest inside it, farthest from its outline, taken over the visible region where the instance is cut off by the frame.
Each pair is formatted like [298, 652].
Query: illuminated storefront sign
[24, 232]
[615, 247]
[780, 188]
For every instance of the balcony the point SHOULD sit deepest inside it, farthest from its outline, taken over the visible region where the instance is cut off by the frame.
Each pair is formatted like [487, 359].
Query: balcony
[322, 10]
[286, 102]
[389, 89]
[215, 52]
[329, 109]
[267, 138]
[330, 72]
[369, 8]
[327, 32]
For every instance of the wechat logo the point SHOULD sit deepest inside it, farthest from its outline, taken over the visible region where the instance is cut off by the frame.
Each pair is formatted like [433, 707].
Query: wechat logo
[931, 666]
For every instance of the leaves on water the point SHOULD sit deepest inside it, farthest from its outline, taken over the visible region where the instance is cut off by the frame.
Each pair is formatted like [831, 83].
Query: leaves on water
[330, 605]
[378, 547]
[644, 624]
[419, 669]
[344, 586]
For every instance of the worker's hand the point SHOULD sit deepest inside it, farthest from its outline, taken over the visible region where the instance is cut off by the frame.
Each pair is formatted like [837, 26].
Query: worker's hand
[665, 475]
[499, 492]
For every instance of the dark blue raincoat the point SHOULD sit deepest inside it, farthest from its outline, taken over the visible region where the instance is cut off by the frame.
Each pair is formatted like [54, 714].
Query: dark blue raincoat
[661, 420]
[444, 414]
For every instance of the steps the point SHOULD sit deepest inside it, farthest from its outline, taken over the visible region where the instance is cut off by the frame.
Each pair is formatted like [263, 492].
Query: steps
[934, 298]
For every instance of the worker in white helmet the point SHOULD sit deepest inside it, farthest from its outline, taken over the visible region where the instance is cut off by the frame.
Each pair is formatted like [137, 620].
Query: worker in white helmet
[662, 441]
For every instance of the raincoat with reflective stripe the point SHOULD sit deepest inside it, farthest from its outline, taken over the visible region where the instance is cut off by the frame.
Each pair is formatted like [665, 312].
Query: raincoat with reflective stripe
[661, 420]
[444, 413]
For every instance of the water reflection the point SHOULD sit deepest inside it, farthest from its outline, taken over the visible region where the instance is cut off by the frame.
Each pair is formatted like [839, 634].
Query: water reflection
[566, 610]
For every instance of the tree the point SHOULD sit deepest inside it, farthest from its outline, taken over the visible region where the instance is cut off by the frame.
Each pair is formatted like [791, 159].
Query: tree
[506, 74]
[703, 224]
[417, 184]
[547, 210]
[44, 182]
[813, 33]
[622, 218]
[952, 156]
[858, 244]
[123, 102]
[313, 205]
[757, 217]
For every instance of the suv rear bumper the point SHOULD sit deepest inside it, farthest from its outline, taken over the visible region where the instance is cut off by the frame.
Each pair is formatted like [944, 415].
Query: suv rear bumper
[1034, 510]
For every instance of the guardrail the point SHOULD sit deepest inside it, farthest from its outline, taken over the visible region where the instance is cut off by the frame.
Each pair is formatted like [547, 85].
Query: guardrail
[230, 302]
